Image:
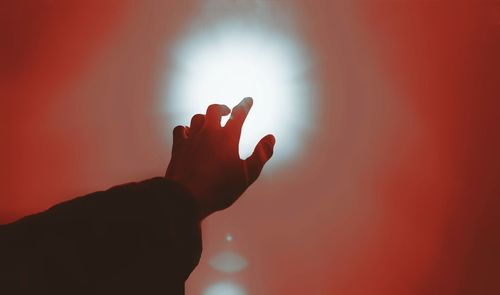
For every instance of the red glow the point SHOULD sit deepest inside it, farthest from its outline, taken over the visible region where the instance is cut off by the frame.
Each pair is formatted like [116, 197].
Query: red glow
[398, 194]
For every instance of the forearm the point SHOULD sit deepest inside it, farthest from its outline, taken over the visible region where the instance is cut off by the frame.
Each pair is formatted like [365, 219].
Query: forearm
[105, 235]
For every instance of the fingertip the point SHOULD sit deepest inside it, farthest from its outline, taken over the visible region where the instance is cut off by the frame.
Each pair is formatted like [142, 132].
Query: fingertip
[248, 101]
[178, 130]
[197, 122]
[215, 112]
[271, 139]
[197, 117]
[244, 105]
[212, 109]
[225, 110]
[179, 134]
[262, 153]
[265, 148]
[218, 109]
[268, 143]
[241, 110]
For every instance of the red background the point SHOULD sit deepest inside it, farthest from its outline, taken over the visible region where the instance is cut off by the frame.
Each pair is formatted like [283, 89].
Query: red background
[398, 191]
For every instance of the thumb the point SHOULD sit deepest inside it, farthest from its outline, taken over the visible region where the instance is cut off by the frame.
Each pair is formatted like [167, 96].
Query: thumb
[261, 154]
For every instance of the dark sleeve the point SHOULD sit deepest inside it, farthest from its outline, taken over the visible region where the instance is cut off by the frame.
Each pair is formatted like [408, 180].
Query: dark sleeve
[138, 238]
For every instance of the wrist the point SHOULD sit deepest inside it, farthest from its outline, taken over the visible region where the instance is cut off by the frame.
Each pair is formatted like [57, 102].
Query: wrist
[202, 208]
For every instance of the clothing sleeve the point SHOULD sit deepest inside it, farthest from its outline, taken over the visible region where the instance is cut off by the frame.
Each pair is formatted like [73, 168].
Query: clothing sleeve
[137, 238]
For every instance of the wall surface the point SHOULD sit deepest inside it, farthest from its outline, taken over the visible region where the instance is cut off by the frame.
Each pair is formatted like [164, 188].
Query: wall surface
[396, 191]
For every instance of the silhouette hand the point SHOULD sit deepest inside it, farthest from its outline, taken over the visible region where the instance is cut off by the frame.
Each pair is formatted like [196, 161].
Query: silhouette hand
[205, 157]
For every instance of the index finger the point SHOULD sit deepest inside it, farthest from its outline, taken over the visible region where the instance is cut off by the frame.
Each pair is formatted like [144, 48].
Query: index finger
[239, 114]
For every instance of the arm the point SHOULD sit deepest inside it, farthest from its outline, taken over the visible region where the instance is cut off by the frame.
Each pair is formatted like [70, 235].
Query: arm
[130, 238]
[139, 238]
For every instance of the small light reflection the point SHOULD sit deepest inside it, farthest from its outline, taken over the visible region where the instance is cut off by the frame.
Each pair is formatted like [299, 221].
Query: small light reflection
[224, 288]
[228, 262]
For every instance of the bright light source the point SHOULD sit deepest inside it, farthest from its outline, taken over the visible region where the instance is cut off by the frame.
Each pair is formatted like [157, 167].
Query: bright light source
[230, 60]
[224, 288]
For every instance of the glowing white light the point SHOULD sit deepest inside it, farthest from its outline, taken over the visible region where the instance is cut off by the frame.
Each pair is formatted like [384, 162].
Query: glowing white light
[224, 288]
[228, 261]
[229, 237]
[230, 60]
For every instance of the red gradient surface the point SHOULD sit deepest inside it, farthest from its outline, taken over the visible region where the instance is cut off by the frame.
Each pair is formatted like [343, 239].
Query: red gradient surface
[398, 191]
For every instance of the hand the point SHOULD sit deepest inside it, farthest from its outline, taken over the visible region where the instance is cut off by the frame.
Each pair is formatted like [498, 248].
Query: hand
[205, 157]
